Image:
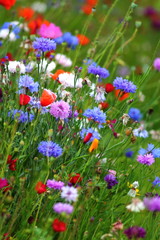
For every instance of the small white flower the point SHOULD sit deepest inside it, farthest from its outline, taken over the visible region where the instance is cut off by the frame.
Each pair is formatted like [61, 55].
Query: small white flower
[15, 66]
[47, 67]
[125, 118]
[4, 33]
[39, 7]
[136, 206]
[68, 80]
[132, 193]
[69, 193]
[63, 60]
[135, 184]
[98, 93]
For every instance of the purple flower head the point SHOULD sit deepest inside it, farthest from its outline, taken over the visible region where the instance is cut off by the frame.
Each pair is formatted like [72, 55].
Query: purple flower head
[135, 232]
[44, 44]
[96, 115]
[23, 117]
[85, 131]
[71, 40]
[26, 81]
[97, 70]
[150, 149]
[156, 64]
[135, 114]
[60, 109]
[152, 204]
[156, 182]
[55, 184]
[129, 153]
[124, 85]
[50, 149]
[111, 180]
[63, 208]
[147, 159]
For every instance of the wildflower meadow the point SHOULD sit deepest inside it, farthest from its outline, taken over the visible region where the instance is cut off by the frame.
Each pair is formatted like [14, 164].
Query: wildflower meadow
[79, 119]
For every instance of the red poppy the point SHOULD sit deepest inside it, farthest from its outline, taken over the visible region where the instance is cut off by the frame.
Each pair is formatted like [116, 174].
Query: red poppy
[83, 40]
[109, 87]
[12, 163]
[57, 73]
[26, 13]
[121, 95]
[7, 3]
[87, 9]
[24, 99]
[35, 24]
[10, 58]
[59, 226]
[47, 97]
[40, 188]
[103, 105]
[92, 2]
[87, 137]
[76, 178]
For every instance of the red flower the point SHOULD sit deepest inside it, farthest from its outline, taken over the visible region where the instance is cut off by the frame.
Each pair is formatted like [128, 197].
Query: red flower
[121, 95]
[7, 3]
[59, 226]
[87, 137]
[40, 188]
[24, 99]
[83, 40]
[26, 13]
[109, 87]
[12, 163]
[47, 97]
[75, 179]
[92, 2]
[87, 9]
[103, 105]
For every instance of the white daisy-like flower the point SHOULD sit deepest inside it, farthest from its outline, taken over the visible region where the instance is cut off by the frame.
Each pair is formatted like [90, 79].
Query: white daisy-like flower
[136, 206]
[69, 194]
[47, 67]
[15, 66]
[4, 33]
[63, 60]
[39, 7]
[68, 80]
[98, 93]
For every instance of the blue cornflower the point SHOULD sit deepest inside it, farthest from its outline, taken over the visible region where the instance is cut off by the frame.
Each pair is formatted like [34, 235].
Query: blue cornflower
[85, 131]
[129, 153]
[140, 133]
[97, 70]
[71, 40]
[59, 40]
[124, 85]
[21, 116]
[95, 114]
[135, 114]
[156, 182]
[50, 149]
[12, 28]
[26, 81]
[150, 149]
[44, 44]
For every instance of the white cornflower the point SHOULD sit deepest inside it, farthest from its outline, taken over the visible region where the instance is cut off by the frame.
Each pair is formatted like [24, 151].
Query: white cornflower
[69, 193]
[68, 80]
[136, 206]
[4, 33]
[15, 66]
[63, 60]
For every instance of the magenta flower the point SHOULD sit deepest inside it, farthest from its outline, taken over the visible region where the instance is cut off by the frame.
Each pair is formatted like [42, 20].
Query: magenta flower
[135, 232]
[60, 109]
[146, 159]
[3, 183]
[156, 64]
[55, 184]
[51, 31]
[152, 204]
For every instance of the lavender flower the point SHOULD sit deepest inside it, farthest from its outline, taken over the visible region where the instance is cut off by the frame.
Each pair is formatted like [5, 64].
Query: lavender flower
[147, 159]
[69, 193]
[156, 182]
[135, 232]
[55, 184]
[85, 131]
[50, 149]
[60, 109]
[111, 180]
[26, 81]
[44, 44]
[63, 208]
[152, 204]
[95, 114]
[124, 85]
[97, 70]
[23, 117]
[156, 64]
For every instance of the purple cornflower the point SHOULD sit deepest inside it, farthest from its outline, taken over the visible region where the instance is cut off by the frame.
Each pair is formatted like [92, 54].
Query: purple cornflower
[135, 232]
[85, 131]
[21, 116]
[63, 208]
[96, 115]
[26, 81]
[150, 149]
[124, 85]
[156, 64]
[156, 182]
[60, 109]
[97, 70]
[135, 114]
[50, 149]
[44, 44]
[129, 153]
[152, 204]
[111, 180]
[55, 184]
[147, 159]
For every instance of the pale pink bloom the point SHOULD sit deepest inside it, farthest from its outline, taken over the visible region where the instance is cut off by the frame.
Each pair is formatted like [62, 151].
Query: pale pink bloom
[50, 31]
[136, 206]
[63, 60]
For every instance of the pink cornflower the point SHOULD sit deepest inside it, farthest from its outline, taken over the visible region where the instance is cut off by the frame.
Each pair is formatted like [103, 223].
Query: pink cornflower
[146, 159]
[60, 109]
[69, 193]
[3, 183]
[50, 31]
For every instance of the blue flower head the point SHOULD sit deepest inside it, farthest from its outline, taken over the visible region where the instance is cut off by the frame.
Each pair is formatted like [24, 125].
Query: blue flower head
[85, 131]
[96, 115]
[23, 117]
[50, 149]
[97, 70]
[26, 81]
[150, 149]
[44, 44]
[156, 182]
[135, 114]
[124, 85]
[129, 153]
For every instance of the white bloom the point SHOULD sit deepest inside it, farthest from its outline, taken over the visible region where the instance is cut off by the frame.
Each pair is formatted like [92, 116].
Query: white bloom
[136, 206]
[15, 66]
[63, 60]
[135, 184]
[4, 33]
[98, 93]
[125, 118]
[132, 192]
[140, 132]
[46, 67]
[69, 193]
[68, 80]
[39, 7]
